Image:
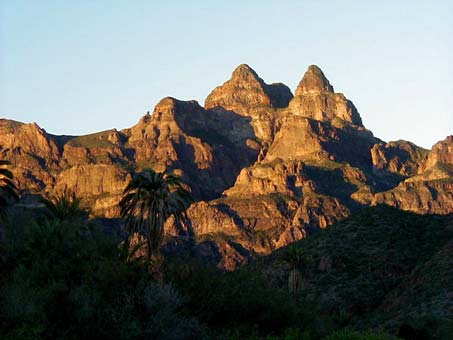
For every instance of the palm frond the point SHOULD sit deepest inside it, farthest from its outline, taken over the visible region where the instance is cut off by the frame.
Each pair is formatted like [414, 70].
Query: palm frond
[149, 200]
[8, 190]
[63, 206]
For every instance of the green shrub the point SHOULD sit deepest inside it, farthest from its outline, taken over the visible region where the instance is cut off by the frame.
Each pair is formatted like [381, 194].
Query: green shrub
[241, 300]
[355, 335]
[68, 281]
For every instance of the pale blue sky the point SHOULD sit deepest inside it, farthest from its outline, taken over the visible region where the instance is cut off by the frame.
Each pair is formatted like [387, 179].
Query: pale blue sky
[76, 67]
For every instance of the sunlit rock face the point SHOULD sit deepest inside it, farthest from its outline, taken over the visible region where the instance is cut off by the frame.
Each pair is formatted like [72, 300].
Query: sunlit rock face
[33, 154]
[314, 82]
[246, 91]
[315, 98]
[207, 149]
[266, 168]
[430, 190]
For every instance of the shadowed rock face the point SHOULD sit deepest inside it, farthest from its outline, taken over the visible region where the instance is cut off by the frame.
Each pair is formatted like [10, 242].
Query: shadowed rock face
[265, 168]
[401, 158]
[246, 94]
[206, 149]
[280, 95]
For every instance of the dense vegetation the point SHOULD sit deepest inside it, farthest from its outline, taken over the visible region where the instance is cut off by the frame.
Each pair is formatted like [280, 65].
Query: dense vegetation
[381, 270]
[66, 279]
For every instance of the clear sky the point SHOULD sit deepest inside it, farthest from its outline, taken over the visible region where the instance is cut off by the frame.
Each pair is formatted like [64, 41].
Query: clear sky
[76, 67]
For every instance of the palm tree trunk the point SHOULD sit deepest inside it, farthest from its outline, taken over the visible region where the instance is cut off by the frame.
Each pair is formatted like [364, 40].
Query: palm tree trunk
[158, 260]
[154, 262]
[149, 256]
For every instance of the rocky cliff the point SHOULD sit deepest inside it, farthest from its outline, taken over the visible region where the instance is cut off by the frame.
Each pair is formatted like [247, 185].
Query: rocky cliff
[266, 168]
[430, 190]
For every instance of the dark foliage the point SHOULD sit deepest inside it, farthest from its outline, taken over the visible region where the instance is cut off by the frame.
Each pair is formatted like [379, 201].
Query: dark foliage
[8, 190]
[379, 269]
[148, 201]
[63, 279]
[63, 206]
[232, 299]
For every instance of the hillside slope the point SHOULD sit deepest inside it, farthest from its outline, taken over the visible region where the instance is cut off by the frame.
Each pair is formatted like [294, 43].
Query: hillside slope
[379, 268]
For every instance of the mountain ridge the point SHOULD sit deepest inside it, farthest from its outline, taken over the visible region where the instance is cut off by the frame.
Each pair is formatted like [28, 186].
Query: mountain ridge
[266, 166]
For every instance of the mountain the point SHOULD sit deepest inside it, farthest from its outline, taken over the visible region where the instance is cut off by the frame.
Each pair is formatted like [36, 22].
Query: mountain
[266, 167]
[365, 270]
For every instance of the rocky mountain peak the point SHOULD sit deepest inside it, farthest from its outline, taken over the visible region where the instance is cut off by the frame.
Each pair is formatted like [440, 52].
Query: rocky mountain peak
[265, 167]
[441, 155]
[315, 98]
[245, 91]
[245, 73]
[313, 82]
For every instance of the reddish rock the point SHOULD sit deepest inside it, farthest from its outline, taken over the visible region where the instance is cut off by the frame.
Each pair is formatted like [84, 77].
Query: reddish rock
[265, 168]
[246, 91]
[313, 82]
[314, 98]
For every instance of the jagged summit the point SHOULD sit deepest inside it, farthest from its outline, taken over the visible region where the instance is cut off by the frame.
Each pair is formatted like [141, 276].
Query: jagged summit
[245, 72]
[314, 82]
[315, 98]
[245, 90]
[264, 167]
[174, 102]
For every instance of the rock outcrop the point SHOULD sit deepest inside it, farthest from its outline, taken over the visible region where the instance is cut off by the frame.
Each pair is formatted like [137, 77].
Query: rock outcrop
[184, 138]
[32, 153]
[93, 180]
[440, 158]
[246, 94]
[400, 158]
[315, 98]
[431, 189]
[314, 82]
[246, 91]
[266, 168]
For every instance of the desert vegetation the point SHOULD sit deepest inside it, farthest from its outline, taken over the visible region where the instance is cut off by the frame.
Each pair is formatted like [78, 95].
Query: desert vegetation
[62, 276]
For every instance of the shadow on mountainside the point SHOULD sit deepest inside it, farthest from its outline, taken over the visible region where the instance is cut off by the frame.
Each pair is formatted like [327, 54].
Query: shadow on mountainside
[386, 268]
[228, 134]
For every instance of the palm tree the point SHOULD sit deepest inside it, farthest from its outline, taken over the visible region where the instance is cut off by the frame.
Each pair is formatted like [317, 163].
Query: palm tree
[148, 201]
[64, 206]
[8, 190]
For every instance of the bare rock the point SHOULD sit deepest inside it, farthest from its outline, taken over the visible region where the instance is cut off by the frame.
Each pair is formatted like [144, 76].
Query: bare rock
[320, 211]
[431, 189]
[246, 91]
[400, 157]
[425, 197]
[268, 178]
[313, 82]
[314, 98]
[91, 180]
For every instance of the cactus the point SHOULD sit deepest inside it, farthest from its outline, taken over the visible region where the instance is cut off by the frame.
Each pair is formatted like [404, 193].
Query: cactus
[296, 260]
[295, 281]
